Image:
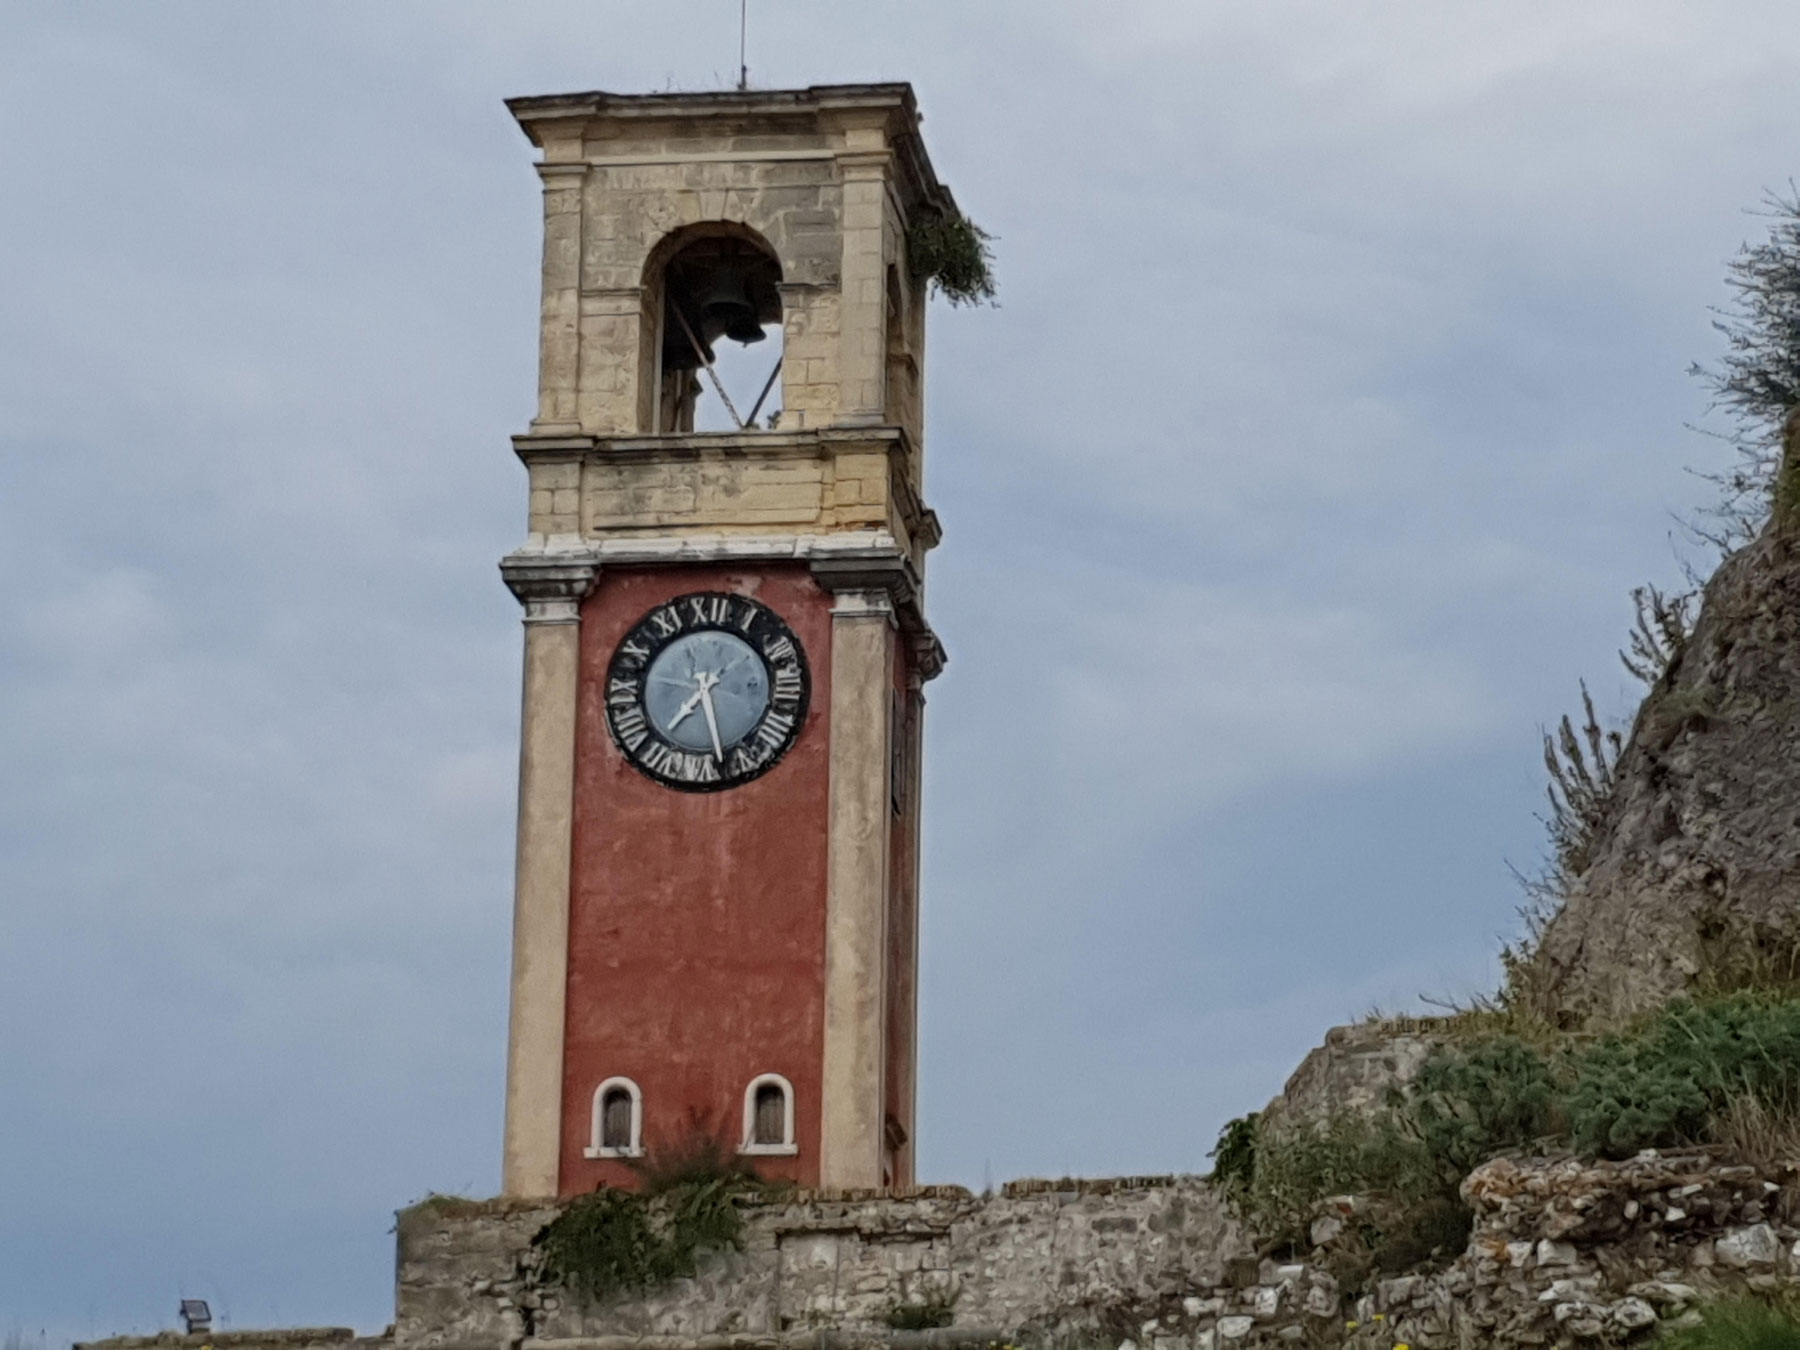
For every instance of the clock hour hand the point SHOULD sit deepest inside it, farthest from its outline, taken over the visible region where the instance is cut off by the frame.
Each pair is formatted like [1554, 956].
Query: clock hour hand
[682, 713]
[707, 681]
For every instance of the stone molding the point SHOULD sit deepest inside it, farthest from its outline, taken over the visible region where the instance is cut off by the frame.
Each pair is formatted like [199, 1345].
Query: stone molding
[552, 580]
[889, 574]
[861, 604]
[550, 584]
[556, 123]
[884, 497]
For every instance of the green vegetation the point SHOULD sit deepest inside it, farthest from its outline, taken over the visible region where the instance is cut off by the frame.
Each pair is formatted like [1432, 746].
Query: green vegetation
[1406, 1210]
[1757, 384]
[1739, 1324]
[615, 1241]
[1720, 1071]
[1234, 1156]
[1673, 1078]
[951, 252]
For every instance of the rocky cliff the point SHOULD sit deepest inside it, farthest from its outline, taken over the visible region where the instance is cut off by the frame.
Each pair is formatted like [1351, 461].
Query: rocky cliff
[1694, 872]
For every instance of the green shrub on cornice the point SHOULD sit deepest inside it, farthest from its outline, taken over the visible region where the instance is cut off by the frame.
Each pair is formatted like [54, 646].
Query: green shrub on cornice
[951, 252]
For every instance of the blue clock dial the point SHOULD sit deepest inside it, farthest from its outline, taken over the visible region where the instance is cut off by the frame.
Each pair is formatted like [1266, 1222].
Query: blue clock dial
[707, 691]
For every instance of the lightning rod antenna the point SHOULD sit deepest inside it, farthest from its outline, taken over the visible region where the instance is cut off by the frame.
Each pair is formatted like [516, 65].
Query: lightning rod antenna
[743, 40]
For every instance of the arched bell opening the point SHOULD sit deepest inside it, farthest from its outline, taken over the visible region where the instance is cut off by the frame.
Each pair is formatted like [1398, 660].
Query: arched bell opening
[719, 352]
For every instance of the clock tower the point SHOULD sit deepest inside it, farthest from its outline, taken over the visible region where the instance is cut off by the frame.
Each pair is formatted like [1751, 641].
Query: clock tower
[715, 925]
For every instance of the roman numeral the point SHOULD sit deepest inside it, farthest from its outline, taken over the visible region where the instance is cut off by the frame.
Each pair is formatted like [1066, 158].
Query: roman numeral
[748, 617]
[787, 684]
[636, 650]
[667, 620]
[779, 649]
[621, 692]
[709, 609]
[774, 730]
[679, 765]
[628, 722]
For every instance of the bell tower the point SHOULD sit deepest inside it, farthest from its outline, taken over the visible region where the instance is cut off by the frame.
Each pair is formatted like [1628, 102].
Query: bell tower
[716, 907]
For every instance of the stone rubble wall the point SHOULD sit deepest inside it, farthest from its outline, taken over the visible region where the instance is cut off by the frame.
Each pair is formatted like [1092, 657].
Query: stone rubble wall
[1562, 1253]
[288, 1338]
[1050, 1256]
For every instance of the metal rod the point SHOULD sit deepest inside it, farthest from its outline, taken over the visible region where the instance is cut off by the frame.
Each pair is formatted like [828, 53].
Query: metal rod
[706, 361]
[743, 41]
[770, 384]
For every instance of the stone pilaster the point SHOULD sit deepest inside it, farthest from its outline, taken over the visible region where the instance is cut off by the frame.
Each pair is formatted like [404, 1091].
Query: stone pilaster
[862, 304]
[862, 684]
[559, 339]
[610, 377]
[551, 587]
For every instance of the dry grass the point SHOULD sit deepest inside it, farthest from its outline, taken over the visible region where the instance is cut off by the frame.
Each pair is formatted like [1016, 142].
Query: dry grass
[1757, 1133]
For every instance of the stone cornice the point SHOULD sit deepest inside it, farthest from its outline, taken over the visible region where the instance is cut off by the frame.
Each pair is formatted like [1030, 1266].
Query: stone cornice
[550, 582]
[924, 529]
[552, 577]
[694, 445]
[566, 119]
[890, 574]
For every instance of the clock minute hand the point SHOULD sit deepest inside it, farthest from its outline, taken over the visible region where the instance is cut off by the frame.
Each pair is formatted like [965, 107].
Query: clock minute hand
[707, 681]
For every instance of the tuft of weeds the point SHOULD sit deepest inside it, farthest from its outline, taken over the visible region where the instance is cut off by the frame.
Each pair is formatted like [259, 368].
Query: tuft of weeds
[1739, 1324]
[617, 1241]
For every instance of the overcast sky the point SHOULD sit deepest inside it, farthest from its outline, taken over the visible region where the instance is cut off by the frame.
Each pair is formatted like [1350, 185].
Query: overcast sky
[1335, 404]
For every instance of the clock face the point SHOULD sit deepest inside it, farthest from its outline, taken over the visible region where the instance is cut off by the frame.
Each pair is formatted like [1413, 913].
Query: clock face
[707, 691]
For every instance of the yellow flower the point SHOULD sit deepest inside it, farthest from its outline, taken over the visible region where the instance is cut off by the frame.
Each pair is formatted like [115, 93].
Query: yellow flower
[1379, 1317]
[1351, 1326]
[1402, 1346]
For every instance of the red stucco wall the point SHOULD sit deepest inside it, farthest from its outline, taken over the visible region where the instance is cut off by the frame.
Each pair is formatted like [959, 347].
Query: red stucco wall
[902, 937]
[697, 920]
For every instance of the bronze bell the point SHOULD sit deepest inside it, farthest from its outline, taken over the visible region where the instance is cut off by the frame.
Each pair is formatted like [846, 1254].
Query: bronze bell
[726, 307]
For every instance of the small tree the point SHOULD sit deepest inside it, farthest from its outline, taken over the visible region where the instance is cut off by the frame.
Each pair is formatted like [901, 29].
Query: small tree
[1757, 382]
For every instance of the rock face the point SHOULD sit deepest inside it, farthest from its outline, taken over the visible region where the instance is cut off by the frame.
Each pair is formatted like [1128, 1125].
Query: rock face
[1354, 1070]
[1695, 870]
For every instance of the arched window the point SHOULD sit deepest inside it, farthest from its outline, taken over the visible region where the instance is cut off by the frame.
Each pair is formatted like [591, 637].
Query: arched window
[720, 305]
[769, 1116]
[618, 1126]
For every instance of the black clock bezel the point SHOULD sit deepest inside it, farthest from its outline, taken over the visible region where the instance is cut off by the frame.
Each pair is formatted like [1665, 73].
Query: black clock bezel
[628, 720]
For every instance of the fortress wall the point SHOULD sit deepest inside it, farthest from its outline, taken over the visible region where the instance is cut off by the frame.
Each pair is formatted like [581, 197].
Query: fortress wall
[1563, 1253]
[1044, 1255]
